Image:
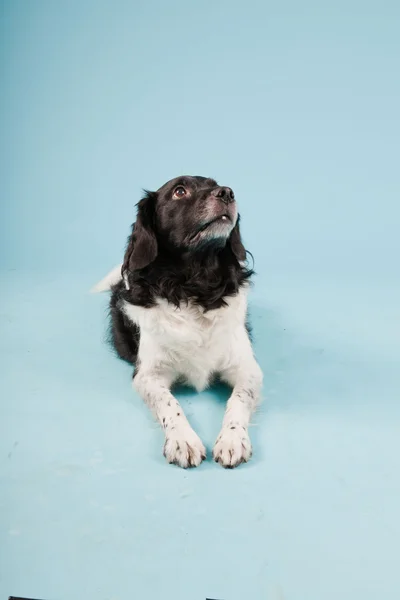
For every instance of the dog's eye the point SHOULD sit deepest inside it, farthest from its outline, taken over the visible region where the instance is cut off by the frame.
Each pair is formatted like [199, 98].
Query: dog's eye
[179, 192]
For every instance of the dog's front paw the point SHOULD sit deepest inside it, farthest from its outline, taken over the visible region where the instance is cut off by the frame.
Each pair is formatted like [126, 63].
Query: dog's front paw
[184, 448]
[232, 447]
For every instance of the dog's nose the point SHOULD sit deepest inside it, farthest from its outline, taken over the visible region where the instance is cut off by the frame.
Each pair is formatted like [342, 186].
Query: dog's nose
[225, 194]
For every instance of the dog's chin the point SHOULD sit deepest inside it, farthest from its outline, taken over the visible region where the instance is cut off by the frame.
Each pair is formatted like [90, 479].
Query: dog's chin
[215, 232]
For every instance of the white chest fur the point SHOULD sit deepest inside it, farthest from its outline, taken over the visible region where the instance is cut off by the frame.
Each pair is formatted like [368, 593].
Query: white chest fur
[191, 343]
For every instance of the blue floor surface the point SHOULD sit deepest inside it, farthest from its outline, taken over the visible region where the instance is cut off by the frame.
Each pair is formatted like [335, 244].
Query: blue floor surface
[90, 509]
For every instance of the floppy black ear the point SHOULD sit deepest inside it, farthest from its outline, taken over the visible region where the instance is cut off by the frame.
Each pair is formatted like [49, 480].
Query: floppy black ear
[236, 244]
[142, 246]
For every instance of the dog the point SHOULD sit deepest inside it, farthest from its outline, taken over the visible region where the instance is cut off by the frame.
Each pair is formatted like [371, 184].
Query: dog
[178, 313]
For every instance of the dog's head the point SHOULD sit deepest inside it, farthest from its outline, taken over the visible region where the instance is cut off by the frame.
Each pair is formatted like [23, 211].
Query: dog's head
[187, 215]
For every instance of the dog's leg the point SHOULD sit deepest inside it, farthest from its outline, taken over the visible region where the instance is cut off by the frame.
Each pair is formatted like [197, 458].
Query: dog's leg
[182, 446]
[233, 444]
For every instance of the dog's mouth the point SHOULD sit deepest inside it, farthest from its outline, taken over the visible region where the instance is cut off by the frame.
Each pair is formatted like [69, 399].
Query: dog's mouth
[220, 220]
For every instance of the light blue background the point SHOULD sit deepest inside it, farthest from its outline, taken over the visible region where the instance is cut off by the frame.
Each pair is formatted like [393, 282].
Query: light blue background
[296, 106]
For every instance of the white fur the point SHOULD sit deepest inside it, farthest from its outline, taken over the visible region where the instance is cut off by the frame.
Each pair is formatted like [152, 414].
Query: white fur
[192, 345]
[109, 280]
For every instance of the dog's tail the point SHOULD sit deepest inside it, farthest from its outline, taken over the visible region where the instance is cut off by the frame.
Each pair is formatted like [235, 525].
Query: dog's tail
[109, 280]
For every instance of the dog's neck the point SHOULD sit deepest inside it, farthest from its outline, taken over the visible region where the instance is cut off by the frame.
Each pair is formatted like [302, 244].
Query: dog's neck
[206, 277]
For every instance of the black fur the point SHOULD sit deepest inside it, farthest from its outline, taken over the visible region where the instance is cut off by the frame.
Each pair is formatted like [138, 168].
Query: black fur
[161, 261]
[124, 335]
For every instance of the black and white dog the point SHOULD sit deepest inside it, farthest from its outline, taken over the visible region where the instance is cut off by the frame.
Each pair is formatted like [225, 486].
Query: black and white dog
[178, 313]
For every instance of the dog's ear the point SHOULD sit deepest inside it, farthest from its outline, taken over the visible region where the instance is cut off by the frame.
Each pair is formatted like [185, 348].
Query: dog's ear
[236, 244]
[142, 246]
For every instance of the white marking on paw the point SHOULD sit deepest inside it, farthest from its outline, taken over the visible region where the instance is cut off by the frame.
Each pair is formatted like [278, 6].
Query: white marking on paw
[183, 447]
[232, 447]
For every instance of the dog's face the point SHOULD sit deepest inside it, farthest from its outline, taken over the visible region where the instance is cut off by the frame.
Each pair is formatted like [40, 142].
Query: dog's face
[187, 214]
[195, 211]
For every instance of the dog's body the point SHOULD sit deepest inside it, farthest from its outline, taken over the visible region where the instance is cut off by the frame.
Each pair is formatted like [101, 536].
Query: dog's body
[178, 313]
